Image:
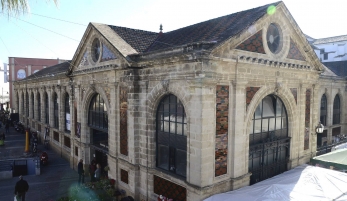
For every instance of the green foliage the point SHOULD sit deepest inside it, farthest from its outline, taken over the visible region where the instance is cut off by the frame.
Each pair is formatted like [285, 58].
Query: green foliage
[16, 6]
[97, 191]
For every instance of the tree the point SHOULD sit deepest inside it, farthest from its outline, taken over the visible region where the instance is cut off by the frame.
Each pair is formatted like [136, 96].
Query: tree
[16, 6]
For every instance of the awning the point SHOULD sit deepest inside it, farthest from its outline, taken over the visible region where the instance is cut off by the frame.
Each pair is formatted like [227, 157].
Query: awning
[301, 183]
[337, 159]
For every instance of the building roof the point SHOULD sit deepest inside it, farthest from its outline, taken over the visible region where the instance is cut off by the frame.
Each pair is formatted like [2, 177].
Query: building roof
[328, 72]
[338, 67]
[138, 39]
[215, 30]
[330, 39]
[51, 70]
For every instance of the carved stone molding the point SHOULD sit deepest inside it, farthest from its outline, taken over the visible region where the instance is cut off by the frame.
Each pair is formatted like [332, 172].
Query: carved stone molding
[277, 87]
[165, 84]
[92, 87]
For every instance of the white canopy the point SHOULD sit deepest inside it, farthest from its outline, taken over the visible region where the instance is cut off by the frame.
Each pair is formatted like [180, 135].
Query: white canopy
[301, 183]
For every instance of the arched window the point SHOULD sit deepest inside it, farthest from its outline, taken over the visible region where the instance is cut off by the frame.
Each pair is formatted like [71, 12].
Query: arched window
[56, 111]
[98, 118]
[32, 106]
[27, 104]
[268, 140]
[336, 111]
[67, 113]
[38, 107]
[46, 109]
[171, 142]
[323, 110]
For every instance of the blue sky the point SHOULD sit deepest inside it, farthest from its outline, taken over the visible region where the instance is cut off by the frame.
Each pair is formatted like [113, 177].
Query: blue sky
[26, 39]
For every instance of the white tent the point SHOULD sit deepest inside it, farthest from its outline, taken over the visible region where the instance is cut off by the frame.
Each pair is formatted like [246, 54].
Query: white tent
[301, 183]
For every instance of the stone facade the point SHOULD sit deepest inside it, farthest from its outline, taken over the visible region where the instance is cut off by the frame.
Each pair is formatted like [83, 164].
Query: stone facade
[219, 88]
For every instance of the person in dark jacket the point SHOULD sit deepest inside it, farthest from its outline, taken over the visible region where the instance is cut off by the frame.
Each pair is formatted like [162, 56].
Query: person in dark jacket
[92, 169]
[21, 188]
[80, 172]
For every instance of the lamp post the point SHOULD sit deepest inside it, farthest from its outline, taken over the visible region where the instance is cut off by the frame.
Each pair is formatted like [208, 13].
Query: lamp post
[320, 128]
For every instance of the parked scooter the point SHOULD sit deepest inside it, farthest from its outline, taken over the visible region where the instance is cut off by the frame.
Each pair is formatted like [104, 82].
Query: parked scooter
[44, 158]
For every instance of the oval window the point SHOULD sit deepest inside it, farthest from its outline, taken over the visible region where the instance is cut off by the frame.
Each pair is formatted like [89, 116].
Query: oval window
[273, 38]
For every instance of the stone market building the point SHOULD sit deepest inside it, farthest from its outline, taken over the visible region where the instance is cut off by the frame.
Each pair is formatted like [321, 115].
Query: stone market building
[200, 110]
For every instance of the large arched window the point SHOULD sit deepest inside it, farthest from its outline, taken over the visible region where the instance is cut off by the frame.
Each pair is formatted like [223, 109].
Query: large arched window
[67, 113]
[268, 140]
[56, 110]
[336, 111]
[46, 109]
[98, 118]
[323, 110]
[27, 104]
[32, 106]
[38, 107]
[171, 136]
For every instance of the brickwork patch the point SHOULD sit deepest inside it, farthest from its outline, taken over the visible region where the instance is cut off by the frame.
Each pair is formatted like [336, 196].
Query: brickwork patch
[295, 94]
[294, 52]
[107, 54]
[84, 60]
[169, 189]
[222, 114]
[307, 119]
[253, 44]
[124, 176]
[250, 92]
[123, 108]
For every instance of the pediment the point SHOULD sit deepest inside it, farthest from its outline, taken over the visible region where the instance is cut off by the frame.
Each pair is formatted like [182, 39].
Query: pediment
[100, 47]
[257, 42]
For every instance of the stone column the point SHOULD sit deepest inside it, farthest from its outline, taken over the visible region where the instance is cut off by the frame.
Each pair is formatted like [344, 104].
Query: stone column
[202, 131]
[315, 118]
[238, 136]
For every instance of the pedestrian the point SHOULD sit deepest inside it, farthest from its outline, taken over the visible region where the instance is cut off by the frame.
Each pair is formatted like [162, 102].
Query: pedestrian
[92, 169]
[7, 128]
[21, 188]
[80, 172]
[97, 172]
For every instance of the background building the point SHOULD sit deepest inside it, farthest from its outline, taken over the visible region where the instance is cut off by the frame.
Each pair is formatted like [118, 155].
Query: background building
[330, 49]
[4, 93]
[20, 68]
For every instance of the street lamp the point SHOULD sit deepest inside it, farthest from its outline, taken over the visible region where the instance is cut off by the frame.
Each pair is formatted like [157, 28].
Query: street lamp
[320, 128]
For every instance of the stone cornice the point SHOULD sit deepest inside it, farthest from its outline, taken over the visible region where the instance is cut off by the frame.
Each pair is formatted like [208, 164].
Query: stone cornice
[96, 69]
[272, 63]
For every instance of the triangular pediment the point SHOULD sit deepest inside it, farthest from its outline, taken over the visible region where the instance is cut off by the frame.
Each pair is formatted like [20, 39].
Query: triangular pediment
[255, 42]
[100, 46]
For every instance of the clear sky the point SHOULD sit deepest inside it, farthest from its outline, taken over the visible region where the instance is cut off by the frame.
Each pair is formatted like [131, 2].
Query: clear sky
[35, 36]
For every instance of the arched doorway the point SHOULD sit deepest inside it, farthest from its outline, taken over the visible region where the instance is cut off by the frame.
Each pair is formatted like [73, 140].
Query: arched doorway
[98, 124]
[268, 140]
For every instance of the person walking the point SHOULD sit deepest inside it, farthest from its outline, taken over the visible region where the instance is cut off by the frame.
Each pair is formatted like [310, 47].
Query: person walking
[92, 169]
[97, 172]
[80, 172]
[21, 188]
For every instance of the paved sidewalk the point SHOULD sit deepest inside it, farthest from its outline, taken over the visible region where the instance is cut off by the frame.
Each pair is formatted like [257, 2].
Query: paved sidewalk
[54, 182]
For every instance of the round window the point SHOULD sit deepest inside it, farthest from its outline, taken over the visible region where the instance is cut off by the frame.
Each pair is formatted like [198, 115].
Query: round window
[21, 74]
[273, 38]
[96, 50]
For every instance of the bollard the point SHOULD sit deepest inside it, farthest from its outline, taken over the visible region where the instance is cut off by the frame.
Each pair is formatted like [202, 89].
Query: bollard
[26, 141]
